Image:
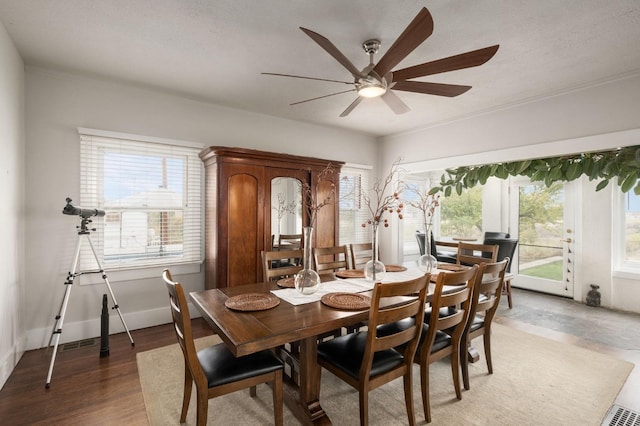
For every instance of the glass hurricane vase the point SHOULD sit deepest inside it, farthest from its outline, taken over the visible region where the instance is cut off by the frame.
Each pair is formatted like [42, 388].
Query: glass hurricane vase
[307, 281]
[374, 269]
[427, 262]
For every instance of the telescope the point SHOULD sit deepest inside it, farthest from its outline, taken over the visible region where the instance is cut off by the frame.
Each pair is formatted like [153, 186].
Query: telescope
[72, 210]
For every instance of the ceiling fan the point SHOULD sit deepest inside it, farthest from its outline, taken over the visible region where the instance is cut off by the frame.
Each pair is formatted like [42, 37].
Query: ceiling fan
[378, 79]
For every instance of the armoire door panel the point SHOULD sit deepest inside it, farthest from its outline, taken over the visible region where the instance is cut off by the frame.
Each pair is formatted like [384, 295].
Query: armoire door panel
[243, 229]
[326, 227]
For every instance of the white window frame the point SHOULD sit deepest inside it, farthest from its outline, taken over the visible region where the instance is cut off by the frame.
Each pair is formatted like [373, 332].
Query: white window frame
[621, 267]
[426, 180]
[89, 198]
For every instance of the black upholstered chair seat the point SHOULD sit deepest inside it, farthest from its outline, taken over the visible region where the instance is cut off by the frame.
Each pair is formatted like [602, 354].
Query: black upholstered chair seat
[477, 323]
[346, 353]
[442, 339]
[220, 366]
[442, 312]
[395, 327]
[446, 257]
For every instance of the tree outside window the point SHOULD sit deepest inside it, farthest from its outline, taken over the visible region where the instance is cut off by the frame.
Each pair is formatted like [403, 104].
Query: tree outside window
[461, 215]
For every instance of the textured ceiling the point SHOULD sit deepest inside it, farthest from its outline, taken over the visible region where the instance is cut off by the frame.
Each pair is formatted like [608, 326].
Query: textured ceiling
[216, 50]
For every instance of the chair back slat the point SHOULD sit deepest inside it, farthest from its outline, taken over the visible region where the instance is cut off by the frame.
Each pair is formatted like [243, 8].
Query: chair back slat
[360, 253]
[474, 254]
[182, 325]
[458, 302]
[489, 284]
[289, 241]
[413, 293]
[280, 264]
[330, 259]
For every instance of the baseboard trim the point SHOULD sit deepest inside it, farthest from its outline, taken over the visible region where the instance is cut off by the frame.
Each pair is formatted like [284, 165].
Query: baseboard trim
[10, 361]
[39, 337]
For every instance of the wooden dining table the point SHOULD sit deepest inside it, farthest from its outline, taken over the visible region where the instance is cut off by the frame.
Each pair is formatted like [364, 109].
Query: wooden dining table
[248, 332]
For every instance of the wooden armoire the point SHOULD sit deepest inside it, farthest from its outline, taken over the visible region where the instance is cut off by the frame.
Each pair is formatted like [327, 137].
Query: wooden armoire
[238, 209]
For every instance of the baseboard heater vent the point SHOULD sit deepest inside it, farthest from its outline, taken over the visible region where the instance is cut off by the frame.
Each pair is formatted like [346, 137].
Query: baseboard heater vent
[620, 416]
[77, 345]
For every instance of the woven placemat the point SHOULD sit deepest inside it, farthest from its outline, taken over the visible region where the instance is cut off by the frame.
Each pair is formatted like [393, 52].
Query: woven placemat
[350, 273]
[289, 282]
[347, 301]
[252, 302]
[451, 267]
[395, 268]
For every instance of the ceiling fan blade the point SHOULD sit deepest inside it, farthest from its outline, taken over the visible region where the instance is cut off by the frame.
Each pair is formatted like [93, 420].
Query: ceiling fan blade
[452, 63]
[418, 30]
[351, 107]
[324, 96]
[395, 103]
[439, 89]
[333, 51]
[307, 78]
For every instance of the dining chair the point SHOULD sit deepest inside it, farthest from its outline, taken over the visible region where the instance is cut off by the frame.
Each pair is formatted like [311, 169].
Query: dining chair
[420, 237]
[446, 251]
[449, 311]
[506, 249]
[475, 254]
[280, 264]
[484, 303]
[495, 234]
[366, 360]
[215, 370]
[361, 253]
[289, 241]
[330, 259]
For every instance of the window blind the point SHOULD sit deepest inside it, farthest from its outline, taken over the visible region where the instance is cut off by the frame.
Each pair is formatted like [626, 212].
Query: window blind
[353, 213]
[151, 192]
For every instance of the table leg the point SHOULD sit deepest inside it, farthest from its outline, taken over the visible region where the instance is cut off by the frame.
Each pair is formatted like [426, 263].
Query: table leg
[306, 406]
[472, 354]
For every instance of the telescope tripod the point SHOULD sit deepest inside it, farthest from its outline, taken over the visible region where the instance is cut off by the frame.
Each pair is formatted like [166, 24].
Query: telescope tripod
[59, 319]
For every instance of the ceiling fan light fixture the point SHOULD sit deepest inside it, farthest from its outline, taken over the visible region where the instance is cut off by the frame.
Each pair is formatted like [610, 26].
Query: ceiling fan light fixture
[371, 87]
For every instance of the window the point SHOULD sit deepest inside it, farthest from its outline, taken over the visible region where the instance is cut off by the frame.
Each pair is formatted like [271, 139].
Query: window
[632, 227]
[628, 233]
[151, 192]
[461, 215]
[412, 218]
[353, 213]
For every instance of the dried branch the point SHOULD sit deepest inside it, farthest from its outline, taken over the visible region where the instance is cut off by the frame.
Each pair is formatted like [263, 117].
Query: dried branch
[383, 200]
[427, 203]
[283, 207]
[312, 204]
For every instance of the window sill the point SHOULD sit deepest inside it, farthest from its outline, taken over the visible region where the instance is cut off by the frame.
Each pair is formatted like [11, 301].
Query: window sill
[139, 273]
[627, 273]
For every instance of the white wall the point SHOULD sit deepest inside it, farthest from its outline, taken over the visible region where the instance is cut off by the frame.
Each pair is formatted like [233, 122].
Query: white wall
[12, 136]
[58, 103]
[603, 116]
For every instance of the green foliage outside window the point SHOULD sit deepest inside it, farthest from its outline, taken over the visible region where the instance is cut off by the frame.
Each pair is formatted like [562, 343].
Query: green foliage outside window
[541, 208]
[621, 165]
[461, 214]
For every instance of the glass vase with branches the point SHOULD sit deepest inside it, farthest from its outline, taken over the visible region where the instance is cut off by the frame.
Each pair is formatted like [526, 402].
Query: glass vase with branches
[384, 200]
[307, 281]
[427, 202]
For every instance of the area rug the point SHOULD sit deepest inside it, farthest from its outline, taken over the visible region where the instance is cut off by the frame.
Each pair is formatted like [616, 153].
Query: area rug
[536, 381]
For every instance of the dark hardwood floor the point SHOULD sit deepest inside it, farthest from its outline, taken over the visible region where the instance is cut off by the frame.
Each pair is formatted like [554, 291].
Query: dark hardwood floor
[85, 389]
[89, 390]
